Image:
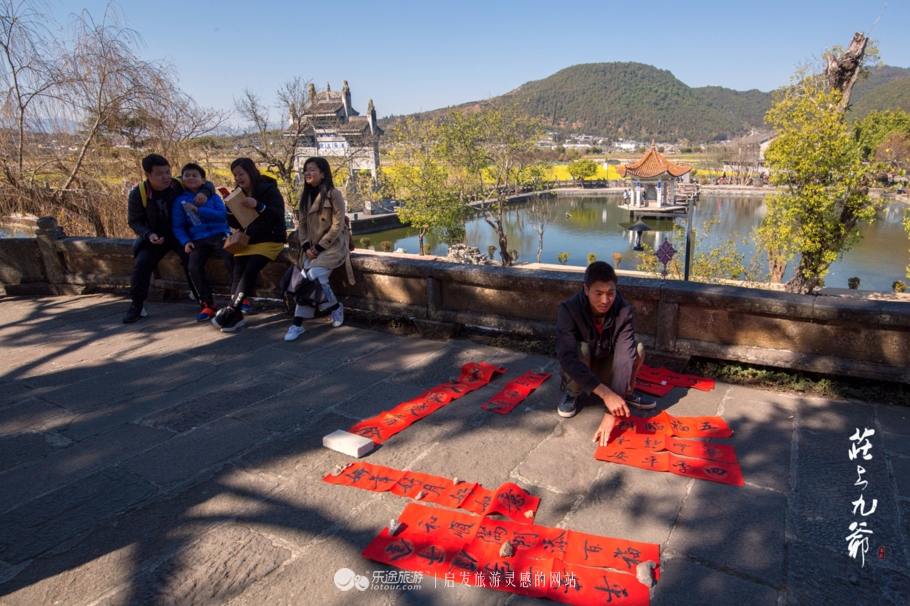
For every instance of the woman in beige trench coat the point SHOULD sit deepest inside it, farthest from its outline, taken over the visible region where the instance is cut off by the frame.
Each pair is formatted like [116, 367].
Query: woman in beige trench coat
[323, 238]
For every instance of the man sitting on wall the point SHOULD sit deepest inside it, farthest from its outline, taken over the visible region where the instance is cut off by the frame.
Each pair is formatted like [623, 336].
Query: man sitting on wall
[149, 215]
[597, 351]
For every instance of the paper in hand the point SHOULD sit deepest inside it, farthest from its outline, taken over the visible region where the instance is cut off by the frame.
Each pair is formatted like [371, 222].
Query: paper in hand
[244, 215]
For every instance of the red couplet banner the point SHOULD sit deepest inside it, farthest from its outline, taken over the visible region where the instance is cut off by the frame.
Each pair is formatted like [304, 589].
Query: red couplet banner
[655, 389]
[681, 427]
[562, 565]
[514, 392]
[383, 426]
[662, 443]
[662, 376]
[510, 500]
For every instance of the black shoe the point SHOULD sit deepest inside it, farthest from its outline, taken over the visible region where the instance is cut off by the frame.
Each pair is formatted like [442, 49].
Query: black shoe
[221, 317]
[568, 407]
[233, 321]
[638, 400]
[136, 311]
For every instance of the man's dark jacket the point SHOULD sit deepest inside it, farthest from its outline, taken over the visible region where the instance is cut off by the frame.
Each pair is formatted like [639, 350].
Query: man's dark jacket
[155, 218]
[575, 324]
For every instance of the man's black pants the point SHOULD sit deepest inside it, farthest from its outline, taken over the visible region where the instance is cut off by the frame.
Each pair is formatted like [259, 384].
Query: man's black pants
[146, 262]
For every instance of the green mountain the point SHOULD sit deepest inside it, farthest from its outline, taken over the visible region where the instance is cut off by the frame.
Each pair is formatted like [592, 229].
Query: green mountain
[749, 106]
[638, 101]
[877, 78]
[634, 101]
[891, 95]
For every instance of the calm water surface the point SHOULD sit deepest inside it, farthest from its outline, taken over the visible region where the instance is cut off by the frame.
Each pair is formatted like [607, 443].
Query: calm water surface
[597, 225]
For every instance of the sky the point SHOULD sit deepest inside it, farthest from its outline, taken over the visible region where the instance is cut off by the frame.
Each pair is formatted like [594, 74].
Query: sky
[416, 56]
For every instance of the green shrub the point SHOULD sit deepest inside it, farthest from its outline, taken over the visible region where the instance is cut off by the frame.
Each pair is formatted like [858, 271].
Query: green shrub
[563, 257]
[899, 286]
[853, 283]
[386, 246]
[364, 242]
[491, 252]
[617, 259]
[591, 258]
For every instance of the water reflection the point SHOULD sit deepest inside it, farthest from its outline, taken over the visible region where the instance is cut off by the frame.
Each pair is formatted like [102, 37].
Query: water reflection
[596, 225]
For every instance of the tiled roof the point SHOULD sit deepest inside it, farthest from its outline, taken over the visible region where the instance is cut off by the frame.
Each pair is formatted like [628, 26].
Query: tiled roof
[651, 165]
[357, 125]
[325, 107]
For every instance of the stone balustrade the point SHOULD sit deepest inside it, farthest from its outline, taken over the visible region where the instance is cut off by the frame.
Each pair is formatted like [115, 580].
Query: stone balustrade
[847, 336]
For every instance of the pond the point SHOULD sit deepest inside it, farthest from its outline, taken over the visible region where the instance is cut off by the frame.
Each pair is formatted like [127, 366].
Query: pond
[597, 225]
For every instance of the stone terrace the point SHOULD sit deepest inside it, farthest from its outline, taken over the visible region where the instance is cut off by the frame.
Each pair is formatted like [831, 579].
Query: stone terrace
[165, 462]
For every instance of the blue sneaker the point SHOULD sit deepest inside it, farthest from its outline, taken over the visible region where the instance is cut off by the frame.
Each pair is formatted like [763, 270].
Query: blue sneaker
[567, 408]
[207, 313]
[246, 306]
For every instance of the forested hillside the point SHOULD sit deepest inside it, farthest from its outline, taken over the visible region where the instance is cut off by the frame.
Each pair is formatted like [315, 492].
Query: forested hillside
[638, 101]
[892, 95]
[630, 100]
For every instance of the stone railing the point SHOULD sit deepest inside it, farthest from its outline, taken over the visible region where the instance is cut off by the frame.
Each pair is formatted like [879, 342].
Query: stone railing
[849, 336]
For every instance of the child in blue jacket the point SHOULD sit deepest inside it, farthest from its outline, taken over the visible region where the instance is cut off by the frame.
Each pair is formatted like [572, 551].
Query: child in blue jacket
[201, 230]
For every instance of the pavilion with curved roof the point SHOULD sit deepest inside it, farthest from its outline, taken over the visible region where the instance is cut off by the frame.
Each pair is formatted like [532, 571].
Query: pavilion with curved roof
[654, 178]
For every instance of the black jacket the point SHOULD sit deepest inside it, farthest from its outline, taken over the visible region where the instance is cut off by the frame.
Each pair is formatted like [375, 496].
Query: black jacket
[155, 217]
[269, 226]
[575, 324]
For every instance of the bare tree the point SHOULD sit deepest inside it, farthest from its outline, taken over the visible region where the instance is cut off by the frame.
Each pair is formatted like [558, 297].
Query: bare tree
[274, 143]
[738, 160]
[27, 75]
[541, 212]
[78, 109]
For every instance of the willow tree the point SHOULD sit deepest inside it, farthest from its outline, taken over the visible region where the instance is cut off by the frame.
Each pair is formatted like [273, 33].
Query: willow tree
[416, 175]
[816, 163]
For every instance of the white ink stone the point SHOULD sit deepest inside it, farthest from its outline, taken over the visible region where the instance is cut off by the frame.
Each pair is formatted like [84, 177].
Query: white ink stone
[394, 527]
[645, 573]
[348, 443]
[506, 550]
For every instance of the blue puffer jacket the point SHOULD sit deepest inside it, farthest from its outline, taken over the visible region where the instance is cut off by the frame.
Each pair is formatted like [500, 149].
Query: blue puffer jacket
[212, 215]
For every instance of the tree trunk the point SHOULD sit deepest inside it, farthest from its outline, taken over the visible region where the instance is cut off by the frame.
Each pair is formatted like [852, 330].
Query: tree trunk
[843, 71]
[503, 238]
[420, 233]
[799, 283]
[777, 267]
[503, 246]
[539, 246]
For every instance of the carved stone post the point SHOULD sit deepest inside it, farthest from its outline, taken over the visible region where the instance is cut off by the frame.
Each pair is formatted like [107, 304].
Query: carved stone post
[47, 233]
[667, 326]
[434, 298]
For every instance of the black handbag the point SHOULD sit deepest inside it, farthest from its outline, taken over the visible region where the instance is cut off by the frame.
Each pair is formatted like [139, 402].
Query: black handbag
[302, 290]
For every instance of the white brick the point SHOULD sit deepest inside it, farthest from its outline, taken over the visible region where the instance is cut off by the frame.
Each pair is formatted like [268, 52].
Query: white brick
[348, 443]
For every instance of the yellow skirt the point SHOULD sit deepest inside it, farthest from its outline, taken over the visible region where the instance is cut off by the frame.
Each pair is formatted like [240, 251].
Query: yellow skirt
[266, 249]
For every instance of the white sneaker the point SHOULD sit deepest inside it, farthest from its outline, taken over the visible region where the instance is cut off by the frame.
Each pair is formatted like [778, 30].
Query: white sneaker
[338, 316]
[293, 332]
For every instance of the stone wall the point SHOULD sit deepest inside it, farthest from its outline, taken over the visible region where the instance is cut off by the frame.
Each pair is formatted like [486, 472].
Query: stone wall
[20, 261]
[849, 336]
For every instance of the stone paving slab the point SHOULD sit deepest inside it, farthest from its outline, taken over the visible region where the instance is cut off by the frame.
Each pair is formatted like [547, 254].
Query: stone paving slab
[167, 462]
[734, 528]
[75, 461]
